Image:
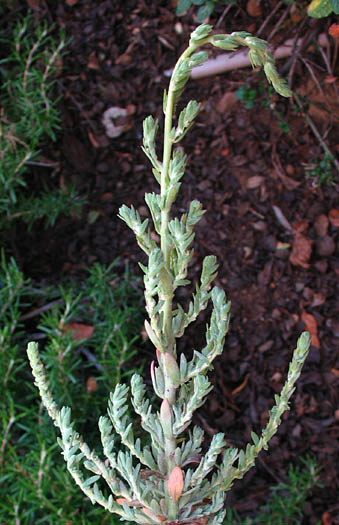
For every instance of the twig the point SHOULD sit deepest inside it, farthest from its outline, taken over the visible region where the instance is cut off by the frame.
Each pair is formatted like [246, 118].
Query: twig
[316, 81]
[278, 24]
[316, 132]
[4, 440]
[29, 59]
[47, 71]
[43, 164]
[268, 18]
[296, 53]
[38, 311]
[227, 8]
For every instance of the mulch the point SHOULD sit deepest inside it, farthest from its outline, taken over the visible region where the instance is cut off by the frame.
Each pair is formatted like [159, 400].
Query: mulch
[274, 232]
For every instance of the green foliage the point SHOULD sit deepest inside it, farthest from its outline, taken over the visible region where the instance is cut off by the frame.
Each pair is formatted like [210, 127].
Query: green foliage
[285, 504]
[250, 96]
[322, 8]
[322, 172]
[206, 7]
[247, 95]
[34, 486]
[29, 115]
[169, 480]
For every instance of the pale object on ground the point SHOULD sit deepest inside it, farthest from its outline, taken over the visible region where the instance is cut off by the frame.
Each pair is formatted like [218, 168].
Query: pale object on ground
[108, 120]
[240, 59]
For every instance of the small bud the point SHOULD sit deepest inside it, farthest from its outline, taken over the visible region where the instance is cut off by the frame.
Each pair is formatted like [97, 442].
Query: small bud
[201, 32]
[171, 369]
[120, 501]
[304, 342]
[176, 483]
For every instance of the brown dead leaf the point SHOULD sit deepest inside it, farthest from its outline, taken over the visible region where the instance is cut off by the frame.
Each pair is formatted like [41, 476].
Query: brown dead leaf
[300, 226]
[322, 103]
[91, 384]
[93, 62]
[318, 299]
[326, 519]
[321, 225]
[311, 325]
[279, 172]
[227, 102]
[255, 182]
[125, 59]
[334, 30]
[330, 79]
[80, 331]
[34, 4]
[301, 251]
[334, 217]
[295, 14]
[254, 8]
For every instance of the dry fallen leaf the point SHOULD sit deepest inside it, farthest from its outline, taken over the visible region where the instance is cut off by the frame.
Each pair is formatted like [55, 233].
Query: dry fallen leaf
[301, 251]
[327, 519]
[91, 384]
[227, 102]
[311, 326]
[321, 225]
[334, 30]
[318, 299]
[254, 182]
[93, 62]
[34, 4]
[334, 217]
[80, 331]
[254, 8]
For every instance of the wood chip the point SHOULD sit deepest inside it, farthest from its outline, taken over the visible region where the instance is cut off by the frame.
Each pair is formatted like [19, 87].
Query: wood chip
[254, 182]
[321, 225]
[334, 218]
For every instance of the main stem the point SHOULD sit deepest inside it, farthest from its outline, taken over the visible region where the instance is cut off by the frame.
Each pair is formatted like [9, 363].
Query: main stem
[168, 291]
[165, 212]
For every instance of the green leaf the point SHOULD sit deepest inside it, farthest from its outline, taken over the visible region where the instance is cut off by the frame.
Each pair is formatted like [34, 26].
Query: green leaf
[335, 6]
[183, 6]
[205, 11]
[319, 8]
[255, 438]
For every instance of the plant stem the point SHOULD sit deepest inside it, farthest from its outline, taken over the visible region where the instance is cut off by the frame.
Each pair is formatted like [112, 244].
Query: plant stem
[165, 212]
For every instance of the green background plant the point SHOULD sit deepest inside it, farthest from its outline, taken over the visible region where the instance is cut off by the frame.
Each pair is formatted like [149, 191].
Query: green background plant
[287, 498]
[322, 8]
[206, 7]
[34, 484]
[28, 117]
[323, 171]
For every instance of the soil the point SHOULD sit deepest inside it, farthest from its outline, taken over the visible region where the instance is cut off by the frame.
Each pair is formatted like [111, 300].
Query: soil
[274, 232]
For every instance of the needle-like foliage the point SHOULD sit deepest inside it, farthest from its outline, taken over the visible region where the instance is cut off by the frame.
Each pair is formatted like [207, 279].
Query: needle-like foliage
[169, 481]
